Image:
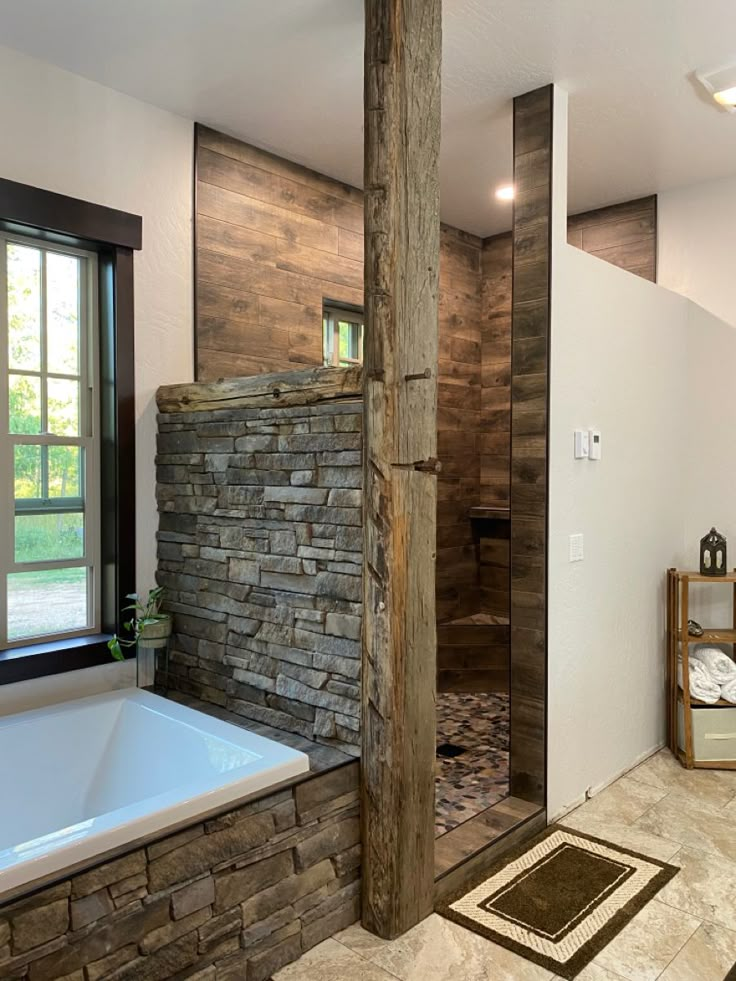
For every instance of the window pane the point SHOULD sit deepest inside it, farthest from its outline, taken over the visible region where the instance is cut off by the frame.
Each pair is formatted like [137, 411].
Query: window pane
[25, 404]
[27, 470]
[62, 306]
[63, 406]
[48, 537]
[65, 471]
[328, 335]
[24, 307]
[49, 602]
[344, 329]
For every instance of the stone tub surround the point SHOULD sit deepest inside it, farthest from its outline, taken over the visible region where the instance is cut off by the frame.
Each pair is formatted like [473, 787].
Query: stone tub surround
[234, 897]
[260, 550]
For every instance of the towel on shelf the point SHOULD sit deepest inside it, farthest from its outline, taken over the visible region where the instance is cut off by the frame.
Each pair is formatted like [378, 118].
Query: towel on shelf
[702, 685]
[728, 691]
[718, 664]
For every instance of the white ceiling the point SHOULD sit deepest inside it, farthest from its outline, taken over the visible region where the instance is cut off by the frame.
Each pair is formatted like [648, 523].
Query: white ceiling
[287, 75]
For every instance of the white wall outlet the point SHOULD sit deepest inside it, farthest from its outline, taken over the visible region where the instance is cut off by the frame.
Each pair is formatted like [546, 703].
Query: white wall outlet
[594, 440]
[577, 551]
[582, 444]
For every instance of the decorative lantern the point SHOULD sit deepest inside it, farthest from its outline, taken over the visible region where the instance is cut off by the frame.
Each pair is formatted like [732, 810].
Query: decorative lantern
[713, 554]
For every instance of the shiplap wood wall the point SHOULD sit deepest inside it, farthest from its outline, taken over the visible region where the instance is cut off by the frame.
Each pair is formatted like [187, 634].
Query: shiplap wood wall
[273, 241]
[623, 234]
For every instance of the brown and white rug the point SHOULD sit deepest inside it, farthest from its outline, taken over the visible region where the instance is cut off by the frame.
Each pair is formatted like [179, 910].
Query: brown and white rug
[560, 898]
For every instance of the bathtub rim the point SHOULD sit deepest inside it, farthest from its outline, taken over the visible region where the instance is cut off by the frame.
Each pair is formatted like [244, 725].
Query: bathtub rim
[21, 891]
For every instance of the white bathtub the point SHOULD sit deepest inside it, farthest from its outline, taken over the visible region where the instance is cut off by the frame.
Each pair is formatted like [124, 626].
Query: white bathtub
[94, 774]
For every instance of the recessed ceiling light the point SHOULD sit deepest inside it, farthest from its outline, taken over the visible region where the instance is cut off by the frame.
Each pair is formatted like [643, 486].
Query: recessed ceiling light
[721, 84]
[505, 193]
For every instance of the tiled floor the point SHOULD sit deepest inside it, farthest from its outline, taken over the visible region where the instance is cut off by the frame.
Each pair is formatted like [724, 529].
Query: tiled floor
[467, 784]
[688, 933]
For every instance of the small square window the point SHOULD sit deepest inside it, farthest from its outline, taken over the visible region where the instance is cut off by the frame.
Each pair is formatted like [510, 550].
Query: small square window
[343, 336]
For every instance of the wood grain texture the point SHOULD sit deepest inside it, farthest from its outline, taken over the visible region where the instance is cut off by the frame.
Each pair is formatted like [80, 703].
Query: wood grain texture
[311, 386]
[623, 234]
[403, 51]
[463, 854]
[529, 442]
[274, 241]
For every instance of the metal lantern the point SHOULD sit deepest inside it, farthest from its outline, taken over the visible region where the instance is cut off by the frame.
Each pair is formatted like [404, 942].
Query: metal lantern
[713, 554]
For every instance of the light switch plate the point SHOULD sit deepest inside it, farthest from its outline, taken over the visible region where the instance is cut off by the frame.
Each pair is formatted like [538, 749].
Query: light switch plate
[576, 548]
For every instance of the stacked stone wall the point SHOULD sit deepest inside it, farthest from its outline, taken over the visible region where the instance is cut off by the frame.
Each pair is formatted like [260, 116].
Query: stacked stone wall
[259, 548]
[234, 898]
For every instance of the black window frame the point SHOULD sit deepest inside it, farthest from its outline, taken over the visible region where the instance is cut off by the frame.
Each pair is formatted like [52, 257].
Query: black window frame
[114, 236]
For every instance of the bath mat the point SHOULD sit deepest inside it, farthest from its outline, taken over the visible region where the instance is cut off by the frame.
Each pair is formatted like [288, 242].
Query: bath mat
[559, 899]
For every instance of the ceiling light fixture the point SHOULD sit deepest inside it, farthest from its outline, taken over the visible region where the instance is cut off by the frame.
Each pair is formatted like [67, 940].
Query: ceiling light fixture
[721, 85]
[505, 193]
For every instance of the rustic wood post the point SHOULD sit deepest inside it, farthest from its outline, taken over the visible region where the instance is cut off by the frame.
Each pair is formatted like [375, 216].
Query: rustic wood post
[403, 43]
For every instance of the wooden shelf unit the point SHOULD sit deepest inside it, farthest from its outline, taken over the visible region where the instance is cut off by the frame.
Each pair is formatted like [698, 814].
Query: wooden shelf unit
[678, 643]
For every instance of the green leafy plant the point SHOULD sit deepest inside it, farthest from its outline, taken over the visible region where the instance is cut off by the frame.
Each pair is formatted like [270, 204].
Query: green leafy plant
[143, 615]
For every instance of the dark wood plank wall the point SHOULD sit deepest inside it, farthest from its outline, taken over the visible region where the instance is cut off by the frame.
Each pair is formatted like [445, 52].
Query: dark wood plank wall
[529, 440]
[458, 423]
[623, 234]
[273, 241]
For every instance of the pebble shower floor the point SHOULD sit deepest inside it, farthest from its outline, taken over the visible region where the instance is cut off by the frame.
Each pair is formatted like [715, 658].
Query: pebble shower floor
[475, 779]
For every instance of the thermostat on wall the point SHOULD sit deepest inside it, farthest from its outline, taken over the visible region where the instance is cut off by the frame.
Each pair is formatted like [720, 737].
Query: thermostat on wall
[594, 441]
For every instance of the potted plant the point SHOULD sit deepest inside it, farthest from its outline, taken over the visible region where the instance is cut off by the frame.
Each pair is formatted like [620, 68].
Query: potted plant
[150, 628]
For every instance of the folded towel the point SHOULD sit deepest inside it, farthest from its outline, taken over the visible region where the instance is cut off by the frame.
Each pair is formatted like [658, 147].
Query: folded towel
[728, 691]
[702, 685]
[718, 664]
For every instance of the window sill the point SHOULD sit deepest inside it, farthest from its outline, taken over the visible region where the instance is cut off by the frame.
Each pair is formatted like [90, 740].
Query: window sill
[55, 657]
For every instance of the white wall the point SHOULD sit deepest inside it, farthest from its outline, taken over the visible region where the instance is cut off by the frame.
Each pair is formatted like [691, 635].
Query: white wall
[696, 229]
[710, 438]
[66, 134]
[618, 364]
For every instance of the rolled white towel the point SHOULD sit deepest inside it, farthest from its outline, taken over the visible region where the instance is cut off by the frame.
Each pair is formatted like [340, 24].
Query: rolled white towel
[728, 691]
[702, 685]
[719, 665]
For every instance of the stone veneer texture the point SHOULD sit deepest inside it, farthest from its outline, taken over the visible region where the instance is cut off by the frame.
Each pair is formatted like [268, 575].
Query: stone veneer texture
[234, 898]
[259, 548]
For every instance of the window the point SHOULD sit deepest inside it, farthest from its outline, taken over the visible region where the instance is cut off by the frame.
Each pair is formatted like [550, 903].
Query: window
[49, 435]
[67, 429]
[342, 330]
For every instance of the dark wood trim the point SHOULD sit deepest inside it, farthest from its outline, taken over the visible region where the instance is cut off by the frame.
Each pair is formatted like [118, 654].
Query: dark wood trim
[530, 386]
[117, 432]
[56, 657]
[21, 204]
[123, 534]
[196, 132]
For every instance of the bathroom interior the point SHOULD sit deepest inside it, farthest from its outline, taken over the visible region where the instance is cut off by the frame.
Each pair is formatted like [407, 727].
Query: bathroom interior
[259, 550]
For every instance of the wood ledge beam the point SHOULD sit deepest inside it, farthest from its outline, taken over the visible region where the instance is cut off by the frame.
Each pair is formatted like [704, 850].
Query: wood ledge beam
[309, 386]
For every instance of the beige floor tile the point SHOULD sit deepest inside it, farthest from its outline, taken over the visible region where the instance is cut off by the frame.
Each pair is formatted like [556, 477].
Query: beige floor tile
[330, 961]
[707, 956]
[360, 940]
[693, 823]
[625, 835]
[648, 943]
[716, 787]
[623, 802]
[439, 950]
[705, 887]
[594, 973]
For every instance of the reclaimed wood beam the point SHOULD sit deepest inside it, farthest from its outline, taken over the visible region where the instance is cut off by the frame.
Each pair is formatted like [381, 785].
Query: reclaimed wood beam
[310, 386]
[403, 44]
